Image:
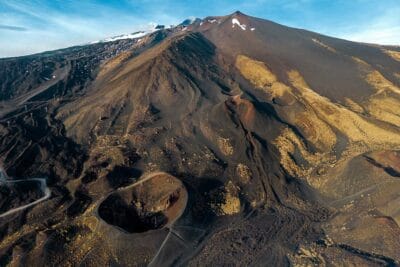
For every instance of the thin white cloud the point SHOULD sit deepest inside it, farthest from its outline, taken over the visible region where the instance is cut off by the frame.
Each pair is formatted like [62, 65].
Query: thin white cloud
[384, 29]
[79, 22]
[51, 18]
[377, 35]
[51, 29]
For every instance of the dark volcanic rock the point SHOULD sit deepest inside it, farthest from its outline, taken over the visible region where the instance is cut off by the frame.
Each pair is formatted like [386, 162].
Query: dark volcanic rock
[281, 142]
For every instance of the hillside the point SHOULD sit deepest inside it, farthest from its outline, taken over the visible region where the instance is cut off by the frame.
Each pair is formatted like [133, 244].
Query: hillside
[228, 140]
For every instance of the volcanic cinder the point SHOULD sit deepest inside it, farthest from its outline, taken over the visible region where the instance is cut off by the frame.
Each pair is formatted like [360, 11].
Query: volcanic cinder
[230, 141]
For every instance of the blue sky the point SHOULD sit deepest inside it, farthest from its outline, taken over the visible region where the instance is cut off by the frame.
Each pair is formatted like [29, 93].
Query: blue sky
[29, 26]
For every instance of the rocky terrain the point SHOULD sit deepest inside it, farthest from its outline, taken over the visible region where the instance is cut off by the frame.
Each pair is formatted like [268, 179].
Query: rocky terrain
[226, 140]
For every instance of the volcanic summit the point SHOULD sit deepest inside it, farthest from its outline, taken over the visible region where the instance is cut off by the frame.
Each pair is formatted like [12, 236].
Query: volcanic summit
[228, 140]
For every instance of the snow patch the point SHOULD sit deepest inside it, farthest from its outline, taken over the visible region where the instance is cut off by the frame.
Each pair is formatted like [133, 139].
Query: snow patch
[212, 20]
[153, 27]
[235, 21]
[126, 36]
[252, 29]
[192, 19]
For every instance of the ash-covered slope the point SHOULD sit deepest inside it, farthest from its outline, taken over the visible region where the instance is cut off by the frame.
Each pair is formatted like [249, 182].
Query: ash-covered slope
[228, 141]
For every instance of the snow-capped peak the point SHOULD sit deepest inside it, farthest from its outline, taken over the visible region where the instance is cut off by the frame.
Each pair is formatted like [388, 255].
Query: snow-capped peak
[152, 27]
[126, 36]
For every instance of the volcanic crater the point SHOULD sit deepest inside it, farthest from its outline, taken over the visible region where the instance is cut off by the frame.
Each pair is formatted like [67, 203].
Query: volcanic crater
[157, 200]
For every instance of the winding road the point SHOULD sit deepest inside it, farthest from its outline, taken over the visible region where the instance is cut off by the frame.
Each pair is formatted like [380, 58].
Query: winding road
[45, 189]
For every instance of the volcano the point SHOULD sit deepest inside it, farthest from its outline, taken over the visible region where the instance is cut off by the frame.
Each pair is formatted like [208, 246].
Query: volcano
[228, 140]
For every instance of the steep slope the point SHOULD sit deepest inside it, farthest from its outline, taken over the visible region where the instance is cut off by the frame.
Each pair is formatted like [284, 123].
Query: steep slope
[231, 140]
[329, 65]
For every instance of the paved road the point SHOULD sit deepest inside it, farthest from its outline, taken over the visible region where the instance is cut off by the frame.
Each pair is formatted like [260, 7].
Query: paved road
[46, 191]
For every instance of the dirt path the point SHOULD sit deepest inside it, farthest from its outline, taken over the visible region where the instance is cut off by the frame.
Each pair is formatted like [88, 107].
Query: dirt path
[141, 181]
[346, 199]
[170, 225]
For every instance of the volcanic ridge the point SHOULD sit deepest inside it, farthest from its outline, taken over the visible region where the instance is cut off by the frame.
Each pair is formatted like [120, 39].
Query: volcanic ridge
[228, 140]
